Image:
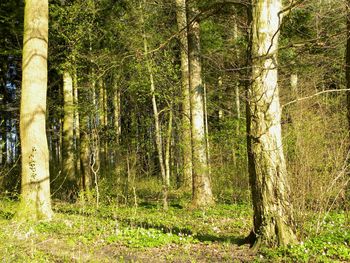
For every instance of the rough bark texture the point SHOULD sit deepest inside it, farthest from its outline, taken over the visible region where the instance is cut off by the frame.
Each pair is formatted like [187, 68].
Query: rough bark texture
[186, 104]
[273, 222]
[68, 161]
[35, 201]
[202, 193]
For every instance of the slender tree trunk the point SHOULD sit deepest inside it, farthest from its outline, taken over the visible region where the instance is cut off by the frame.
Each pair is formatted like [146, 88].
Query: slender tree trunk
[186, 141]
[35, 199]
[206, 128]
[273, 221]
[202, 193]
[167, 150]
[102, 124]
[105, 122]
[85, 169]
[95, 136]
[117, 126]
[237, 102]
[220, 112]
[116, 112]
[68, 160]
[77, 128]
[159, 139]
[3, 140]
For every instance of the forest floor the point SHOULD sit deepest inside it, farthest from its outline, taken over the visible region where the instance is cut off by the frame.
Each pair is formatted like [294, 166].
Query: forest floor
[82, 233]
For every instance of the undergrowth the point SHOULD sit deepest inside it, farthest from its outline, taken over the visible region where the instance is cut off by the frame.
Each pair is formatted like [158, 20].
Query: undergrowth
[83, 233]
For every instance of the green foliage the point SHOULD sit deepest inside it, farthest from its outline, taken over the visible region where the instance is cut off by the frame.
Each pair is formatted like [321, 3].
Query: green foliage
[140, 237]
[130, 230]
[332, 244]
[212, 36]
[297, 24]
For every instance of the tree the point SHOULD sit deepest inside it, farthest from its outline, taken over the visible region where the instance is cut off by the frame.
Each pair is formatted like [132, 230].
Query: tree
[186, 103]
[202, 193]
[273, 221]
[68, 163]
[35, 199]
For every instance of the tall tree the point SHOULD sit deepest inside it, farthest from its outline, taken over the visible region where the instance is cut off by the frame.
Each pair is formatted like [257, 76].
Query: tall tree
[68, 161]
[35, 199]
[186, 103]
[202, 193]
[273, 221]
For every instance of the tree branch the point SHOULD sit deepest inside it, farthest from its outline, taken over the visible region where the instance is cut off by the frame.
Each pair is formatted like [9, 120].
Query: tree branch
[314, 95]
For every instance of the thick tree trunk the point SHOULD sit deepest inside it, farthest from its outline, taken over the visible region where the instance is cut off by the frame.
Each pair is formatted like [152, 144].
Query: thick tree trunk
[68, 160]
[35, 199]
[186, 140]
[273, 221]
[202, 193]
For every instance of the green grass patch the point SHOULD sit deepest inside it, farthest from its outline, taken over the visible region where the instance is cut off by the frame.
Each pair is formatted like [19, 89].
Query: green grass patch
[115, 234]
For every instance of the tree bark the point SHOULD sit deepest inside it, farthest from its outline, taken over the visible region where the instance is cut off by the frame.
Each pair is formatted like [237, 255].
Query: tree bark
[186, 104]
[273, 220]
[68, 161]
[77, 128]
[202, 193]
[35, 199]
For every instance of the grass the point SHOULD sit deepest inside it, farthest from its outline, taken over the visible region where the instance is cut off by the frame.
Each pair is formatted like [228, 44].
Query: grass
[82, 233]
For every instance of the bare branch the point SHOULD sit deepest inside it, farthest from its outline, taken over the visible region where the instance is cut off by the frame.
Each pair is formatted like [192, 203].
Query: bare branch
[314, 95]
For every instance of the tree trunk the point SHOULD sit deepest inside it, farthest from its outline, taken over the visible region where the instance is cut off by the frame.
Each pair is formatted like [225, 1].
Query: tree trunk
[116, 112]
[77, 129]
[3, 140]
[68, 160]
[186, 104]
[206, 123]
[102, 124]
[168, 149]
[85, 152]
[36, 199]
[117, 127]
[202, 193]
[273, 221]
